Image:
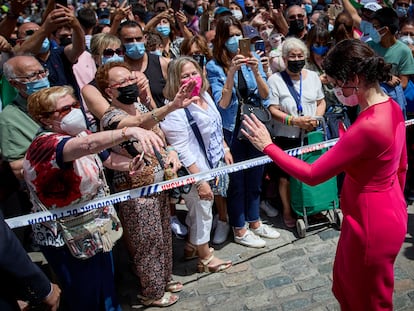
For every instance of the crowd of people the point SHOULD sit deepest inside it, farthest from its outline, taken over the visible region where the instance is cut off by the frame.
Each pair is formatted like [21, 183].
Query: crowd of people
[99, 97]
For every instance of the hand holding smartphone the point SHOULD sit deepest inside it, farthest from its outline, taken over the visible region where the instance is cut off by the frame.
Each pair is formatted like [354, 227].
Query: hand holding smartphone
[244, 46]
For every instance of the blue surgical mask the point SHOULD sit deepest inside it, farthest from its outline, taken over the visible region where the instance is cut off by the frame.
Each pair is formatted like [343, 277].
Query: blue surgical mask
[320, 50]
[156, 52]
[37, 85]
[45, 46]
[327, 2]
[368, 29]
[114, 58]
[232, 44]
[314, 2]
[135, 50]
[401, 11]
[200, 10]
[308, 8]
[163, 30]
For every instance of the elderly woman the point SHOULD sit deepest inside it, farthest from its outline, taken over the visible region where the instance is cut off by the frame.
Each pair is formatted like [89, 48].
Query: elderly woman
[233, 76]
[199, 152]
[68, 171]
[294, 108]
[146, 220]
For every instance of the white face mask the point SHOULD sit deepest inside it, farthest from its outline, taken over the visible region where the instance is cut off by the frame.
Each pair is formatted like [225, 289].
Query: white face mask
[73, 123]
[350, 101]
[237, 14]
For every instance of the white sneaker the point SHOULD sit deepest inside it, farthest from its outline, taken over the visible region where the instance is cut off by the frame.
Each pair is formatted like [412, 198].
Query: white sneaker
[250, 239]
[266, 231]
[268, 209]
[221, 232]
[177, 227]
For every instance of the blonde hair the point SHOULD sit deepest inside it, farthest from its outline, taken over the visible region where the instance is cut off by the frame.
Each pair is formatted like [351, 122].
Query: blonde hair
[41, 103]
[101, 41]
[175, 68]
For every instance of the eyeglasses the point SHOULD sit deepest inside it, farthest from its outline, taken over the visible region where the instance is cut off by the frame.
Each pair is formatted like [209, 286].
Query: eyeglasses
[64, 110]
[32, 76]
[123, 82]
[111, 52]
[296, 16]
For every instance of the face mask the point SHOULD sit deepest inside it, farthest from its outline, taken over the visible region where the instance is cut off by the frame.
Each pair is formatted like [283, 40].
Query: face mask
[237, 14]
[351, 100]
[163, 30]
[114, 58]
[275, 40]
[314, 2]
[249, 9]
[135, 50]
[200, 10]
[197, 87]
[296, 26]
[320, 50]
[295, 66]
[407, 40]
[368, 29]
[232, 44]
[73, 123]
[45, 46]
[308, 8]
[328, 1]
[401, 11]
[265, 34]
[128, 94]
[65, 41]
[37, 85]
[330, 27]
[156, 52]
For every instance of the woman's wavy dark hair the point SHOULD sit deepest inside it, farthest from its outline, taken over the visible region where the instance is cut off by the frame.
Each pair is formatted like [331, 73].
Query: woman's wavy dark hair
[343, 27]
[353, 57]
[220, 52]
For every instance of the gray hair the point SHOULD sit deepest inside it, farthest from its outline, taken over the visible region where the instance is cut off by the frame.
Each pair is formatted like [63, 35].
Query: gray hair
[292, 43]
[8, 71]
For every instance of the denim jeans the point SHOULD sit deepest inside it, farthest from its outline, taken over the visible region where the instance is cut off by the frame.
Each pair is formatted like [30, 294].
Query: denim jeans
[243, 194]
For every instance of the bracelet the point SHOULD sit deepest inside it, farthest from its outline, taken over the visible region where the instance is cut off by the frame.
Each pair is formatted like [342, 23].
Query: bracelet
[169, 149]
[123, 133]
[155, 117]
[226, 149]
[288, 120]
[112, 137]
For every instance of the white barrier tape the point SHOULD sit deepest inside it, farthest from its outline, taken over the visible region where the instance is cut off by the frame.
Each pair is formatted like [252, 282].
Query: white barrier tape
[25, 220]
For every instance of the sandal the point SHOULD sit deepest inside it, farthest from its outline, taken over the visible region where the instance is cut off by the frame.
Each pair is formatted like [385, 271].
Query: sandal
[191, 252]
[165, 301]
[174, 287]
[204, 267]
[291, 223]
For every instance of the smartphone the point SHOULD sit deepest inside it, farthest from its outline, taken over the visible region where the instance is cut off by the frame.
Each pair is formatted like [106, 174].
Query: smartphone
[62, 2]
[244, 46]
[259, 45]
[176, 5]
[199, 58]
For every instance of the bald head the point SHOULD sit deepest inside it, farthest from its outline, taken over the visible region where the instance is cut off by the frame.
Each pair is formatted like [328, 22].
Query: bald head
[21, 32]
[19, 66]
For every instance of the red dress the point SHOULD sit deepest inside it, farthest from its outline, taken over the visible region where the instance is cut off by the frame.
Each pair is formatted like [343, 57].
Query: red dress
[373, 155]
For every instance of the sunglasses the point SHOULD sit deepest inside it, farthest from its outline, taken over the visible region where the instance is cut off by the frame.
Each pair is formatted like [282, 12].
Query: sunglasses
[297, 16]
[65, 109]
[111, 52]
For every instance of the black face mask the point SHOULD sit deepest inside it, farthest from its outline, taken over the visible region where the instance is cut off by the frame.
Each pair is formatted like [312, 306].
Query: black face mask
[128, 94]
[65, 41]
[296, 26]
[295, 66]
[249, 9]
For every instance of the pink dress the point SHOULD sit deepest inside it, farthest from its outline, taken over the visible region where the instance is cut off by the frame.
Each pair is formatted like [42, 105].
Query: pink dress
[373, 155]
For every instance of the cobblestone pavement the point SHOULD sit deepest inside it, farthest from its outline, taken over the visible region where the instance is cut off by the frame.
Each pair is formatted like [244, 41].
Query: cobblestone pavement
[288, 274]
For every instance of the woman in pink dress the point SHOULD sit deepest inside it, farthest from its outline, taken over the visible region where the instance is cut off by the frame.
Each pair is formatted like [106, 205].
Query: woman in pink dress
[372, 153]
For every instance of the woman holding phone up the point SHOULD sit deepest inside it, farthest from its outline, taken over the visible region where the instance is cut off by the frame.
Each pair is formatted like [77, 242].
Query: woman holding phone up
[233, 76]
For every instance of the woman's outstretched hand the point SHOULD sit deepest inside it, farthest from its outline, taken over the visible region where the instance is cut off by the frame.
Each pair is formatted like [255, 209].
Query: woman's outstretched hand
[256, 132]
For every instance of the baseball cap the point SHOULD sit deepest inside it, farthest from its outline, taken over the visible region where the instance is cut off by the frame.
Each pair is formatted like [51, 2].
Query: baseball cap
[220, 10]
[250, 32]
[372, 6]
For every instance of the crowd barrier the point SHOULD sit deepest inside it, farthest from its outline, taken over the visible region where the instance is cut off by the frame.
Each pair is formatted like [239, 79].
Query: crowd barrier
[25, 220]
